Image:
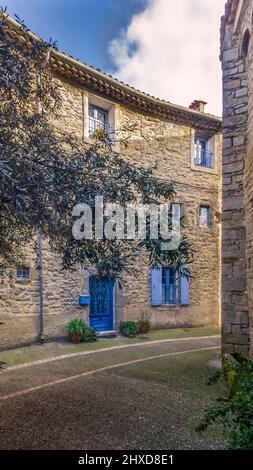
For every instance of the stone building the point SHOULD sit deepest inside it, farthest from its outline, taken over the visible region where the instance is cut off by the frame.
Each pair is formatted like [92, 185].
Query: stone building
[186, 145]
[237, 227]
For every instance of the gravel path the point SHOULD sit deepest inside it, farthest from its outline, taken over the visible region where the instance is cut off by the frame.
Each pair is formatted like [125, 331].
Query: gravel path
[145, 397]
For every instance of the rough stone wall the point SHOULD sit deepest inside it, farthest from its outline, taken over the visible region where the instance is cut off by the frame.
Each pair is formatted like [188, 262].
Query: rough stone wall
[154, 141]
[19, 301]
[169, 147]
[249, 179]
[247, 23]
[237, 235]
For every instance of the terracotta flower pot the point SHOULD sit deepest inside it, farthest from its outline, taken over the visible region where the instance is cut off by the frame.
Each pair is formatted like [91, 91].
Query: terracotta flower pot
[75, 338]
[144, 329]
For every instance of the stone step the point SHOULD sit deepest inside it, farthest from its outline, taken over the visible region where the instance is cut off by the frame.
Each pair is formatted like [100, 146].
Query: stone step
[107, 334]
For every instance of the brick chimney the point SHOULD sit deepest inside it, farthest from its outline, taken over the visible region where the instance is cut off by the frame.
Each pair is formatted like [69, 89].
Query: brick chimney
[198, 105]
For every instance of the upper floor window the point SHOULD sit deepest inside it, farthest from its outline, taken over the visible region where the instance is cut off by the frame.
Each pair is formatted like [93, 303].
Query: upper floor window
[23, 273]
[202, 155]
[205, 216]
[98, 119]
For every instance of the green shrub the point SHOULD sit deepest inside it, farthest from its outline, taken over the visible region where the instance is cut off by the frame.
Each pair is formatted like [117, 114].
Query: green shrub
[89, 335]
[76, 326]
[129, 328]
[79, 331]
[234, 411]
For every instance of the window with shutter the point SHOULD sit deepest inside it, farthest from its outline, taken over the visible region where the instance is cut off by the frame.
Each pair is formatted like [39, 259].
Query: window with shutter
[163, 286]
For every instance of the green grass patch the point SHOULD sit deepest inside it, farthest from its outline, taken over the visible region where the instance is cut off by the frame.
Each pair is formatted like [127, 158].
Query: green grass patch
[56, 348]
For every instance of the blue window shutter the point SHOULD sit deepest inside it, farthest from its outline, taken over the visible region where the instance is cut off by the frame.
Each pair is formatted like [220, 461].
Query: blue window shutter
[156, 286]
[185, 291]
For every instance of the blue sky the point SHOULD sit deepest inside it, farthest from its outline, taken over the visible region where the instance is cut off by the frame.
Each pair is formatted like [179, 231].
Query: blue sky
[83, 28]
[168, 48]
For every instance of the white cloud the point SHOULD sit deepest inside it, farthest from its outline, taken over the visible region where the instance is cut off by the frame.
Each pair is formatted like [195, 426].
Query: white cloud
[171, 50]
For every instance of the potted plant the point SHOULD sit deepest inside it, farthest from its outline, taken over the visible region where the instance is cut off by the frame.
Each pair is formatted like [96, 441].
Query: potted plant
[79, 332]
[89, 334]
[144, 324]
[75, 328]
[129, 328]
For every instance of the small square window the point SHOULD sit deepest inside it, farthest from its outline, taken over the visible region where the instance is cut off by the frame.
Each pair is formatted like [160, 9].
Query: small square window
[23, 273]
[205, 216]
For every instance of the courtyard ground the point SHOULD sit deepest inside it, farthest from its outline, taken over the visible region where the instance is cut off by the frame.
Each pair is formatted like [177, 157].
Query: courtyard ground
[143, 397]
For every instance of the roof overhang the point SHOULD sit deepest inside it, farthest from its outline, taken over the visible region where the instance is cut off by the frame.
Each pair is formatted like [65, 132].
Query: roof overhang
[106, 86]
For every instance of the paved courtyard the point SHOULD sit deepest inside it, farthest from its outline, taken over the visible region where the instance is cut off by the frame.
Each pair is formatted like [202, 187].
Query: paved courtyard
[142, 397]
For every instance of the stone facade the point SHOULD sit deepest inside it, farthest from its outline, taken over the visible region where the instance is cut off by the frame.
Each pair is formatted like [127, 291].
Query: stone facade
[169, 146]
[237, 228]
[154, 140]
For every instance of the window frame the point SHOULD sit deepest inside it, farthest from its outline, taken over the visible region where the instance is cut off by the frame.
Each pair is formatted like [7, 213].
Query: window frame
[105, 123]
[203, 156]
[111, 108]
[23, 269]
[209, 217]
[213, 142]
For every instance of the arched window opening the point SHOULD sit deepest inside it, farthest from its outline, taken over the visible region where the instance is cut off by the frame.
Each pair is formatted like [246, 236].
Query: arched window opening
[245, 43]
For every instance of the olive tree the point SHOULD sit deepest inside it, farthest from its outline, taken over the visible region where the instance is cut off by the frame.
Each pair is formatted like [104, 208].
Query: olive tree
[44, 173]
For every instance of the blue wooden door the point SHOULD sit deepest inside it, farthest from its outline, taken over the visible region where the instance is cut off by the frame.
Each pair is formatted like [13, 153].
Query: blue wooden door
[101, 303]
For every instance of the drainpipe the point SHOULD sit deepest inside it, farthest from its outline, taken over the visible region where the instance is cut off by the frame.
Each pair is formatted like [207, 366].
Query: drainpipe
[41, 286]
[39, 235]
[40, 258]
